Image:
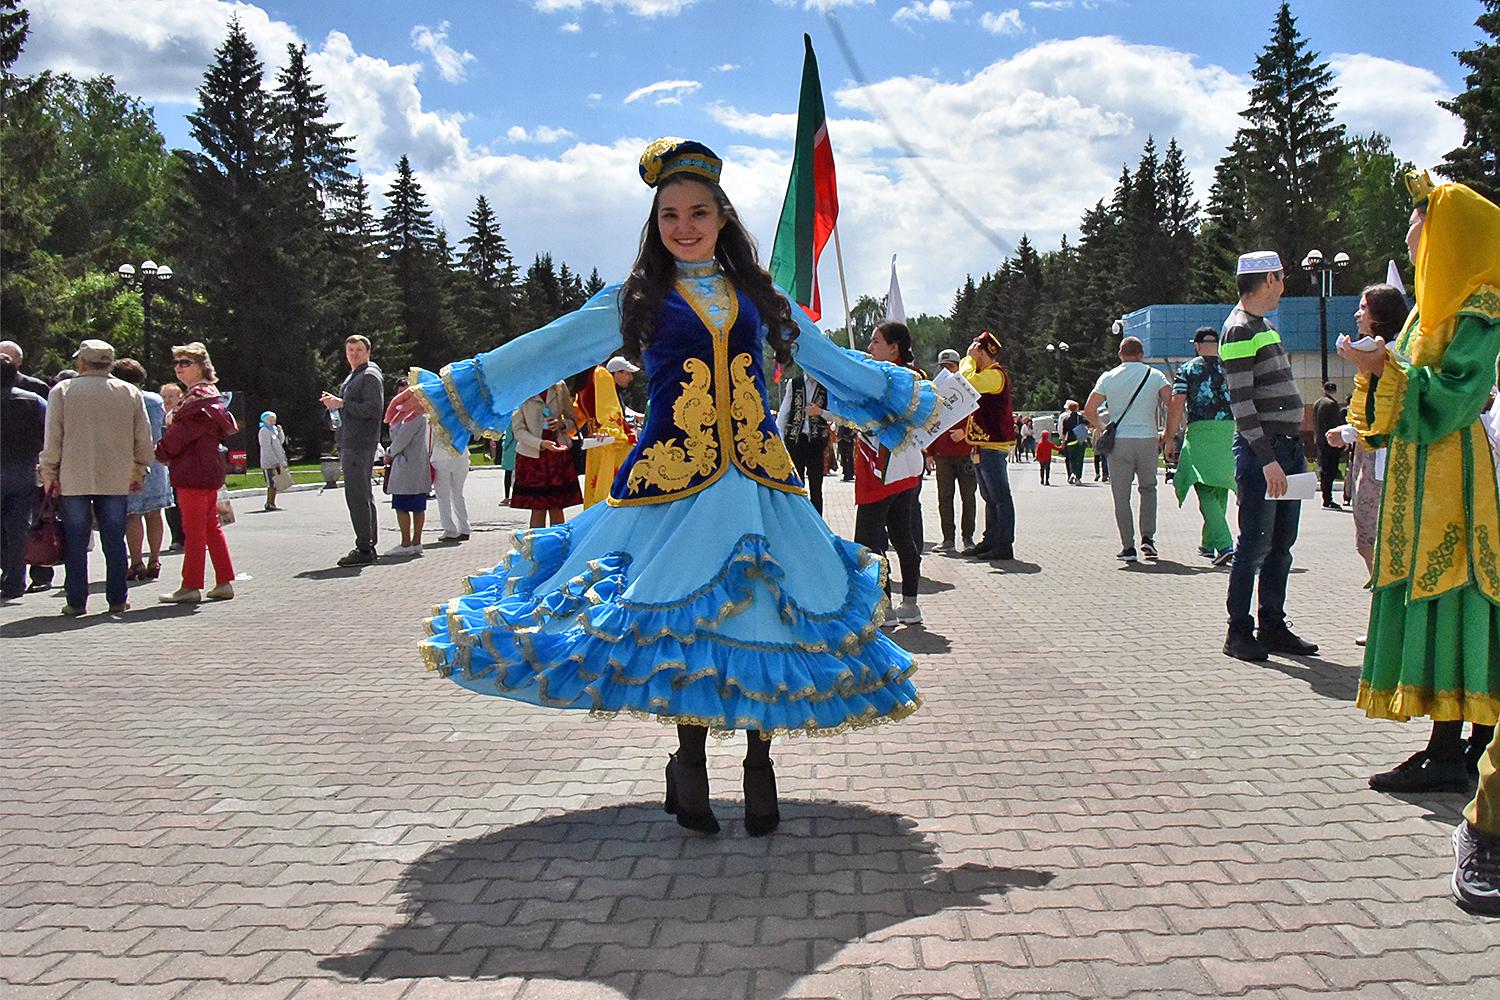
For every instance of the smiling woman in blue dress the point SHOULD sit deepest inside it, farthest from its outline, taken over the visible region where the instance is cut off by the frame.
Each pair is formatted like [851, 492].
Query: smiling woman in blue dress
[706, 591]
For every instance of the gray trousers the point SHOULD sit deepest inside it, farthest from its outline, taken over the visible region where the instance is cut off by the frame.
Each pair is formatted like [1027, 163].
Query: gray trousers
[1134, 459]
[359, 496]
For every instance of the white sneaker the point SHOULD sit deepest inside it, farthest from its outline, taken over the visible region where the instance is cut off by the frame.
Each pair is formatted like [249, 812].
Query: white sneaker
[416, 549]
[399, 550]
[907, 613]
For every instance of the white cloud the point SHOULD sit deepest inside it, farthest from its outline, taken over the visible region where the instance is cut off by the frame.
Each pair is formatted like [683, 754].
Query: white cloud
[449, 61]
[665, 91]
[640, 8]
[935, 10]
[1400, 100]
[158, 51]
[595, 97]
[1050, 4]
[542, 134]
[1007, 22]
[726, 67]
[571, 28]
[823, 5]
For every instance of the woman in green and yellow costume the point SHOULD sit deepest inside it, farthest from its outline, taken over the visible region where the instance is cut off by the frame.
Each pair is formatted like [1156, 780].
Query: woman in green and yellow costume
[1434, 638]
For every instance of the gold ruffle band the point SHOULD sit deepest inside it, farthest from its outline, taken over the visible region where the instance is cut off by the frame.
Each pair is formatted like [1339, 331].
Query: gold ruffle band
[1406, 702]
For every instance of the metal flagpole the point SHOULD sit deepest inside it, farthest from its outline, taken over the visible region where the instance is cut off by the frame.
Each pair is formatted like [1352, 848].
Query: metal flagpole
[838, 252]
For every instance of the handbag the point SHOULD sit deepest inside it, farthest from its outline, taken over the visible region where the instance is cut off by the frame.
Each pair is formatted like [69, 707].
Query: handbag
[281, 480]
[1106, 442]
[226, 508]
[44, 540]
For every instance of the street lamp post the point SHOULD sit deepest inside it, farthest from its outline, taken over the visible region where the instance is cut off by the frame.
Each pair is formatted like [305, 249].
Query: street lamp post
[1059, 351]
[149, 280]
[1322, 272]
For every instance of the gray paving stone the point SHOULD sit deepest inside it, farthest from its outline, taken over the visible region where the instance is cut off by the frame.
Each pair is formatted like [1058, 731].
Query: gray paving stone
[1078, 811]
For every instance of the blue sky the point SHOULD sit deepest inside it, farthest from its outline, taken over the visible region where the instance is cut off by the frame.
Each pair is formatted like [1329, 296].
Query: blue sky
[1022, 112]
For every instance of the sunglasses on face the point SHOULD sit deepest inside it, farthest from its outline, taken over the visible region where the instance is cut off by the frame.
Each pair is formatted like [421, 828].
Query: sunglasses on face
[183, 363]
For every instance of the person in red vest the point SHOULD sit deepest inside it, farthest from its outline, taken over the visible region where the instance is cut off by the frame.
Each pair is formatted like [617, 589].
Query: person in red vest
[991, 432]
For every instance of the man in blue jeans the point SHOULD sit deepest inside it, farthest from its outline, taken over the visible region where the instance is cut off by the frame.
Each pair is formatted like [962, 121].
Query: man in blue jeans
[1267, 411]
[991, 432]
[96, 451]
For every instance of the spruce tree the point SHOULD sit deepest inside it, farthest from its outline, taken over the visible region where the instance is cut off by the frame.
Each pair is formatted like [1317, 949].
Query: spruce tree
[362, 298]
[1477, 162]
[484, 293]
[313, 146]
[411, 245]
[1179, 226]
[1295, 146]
[593, 286]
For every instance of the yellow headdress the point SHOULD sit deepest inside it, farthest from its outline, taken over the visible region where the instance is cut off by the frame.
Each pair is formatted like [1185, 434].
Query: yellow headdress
[1459, 252]
[670, 155]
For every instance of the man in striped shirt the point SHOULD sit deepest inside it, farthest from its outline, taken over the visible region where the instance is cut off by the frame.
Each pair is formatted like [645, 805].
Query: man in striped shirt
[1267, 411]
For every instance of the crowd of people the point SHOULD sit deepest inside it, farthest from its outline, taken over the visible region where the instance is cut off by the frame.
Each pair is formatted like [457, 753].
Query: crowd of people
[600, 612]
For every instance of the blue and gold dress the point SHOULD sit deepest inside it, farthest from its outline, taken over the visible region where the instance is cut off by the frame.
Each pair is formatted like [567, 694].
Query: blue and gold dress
[706, 590]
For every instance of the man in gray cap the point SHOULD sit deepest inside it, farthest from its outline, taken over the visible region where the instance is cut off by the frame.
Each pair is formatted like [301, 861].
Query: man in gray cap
[96, 451]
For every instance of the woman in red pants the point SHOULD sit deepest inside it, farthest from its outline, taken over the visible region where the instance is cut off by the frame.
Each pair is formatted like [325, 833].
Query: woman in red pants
[190, 447]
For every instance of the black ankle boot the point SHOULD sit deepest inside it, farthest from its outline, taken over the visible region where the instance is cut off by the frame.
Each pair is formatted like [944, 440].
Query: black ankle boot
[687, 795]
[1241, 643]
[762, 815]
[1424, 771]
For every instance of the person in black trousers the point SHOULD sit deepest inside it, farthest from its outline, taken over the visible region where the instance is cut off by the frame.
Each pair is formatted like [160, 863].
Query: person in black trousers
[1327, 414]
[804, 428]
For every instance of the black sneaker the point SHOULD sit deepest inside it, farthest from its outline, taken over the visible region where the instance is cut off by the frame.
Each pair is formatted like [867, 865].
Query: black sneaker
[1148, 548]
[1280, 639]
[1127, 555]
[358, 557]
[1242, 644]
[1206, 552]
[972, 551]
[1422, 772]
[1476, 870]
[1224, 556]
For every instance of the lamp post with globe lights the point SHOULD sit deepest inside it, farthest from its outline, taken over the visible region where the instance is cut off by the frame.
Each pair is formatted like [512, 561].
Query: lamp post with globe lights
[149, 279]
[1322, 272]
[1059, 351]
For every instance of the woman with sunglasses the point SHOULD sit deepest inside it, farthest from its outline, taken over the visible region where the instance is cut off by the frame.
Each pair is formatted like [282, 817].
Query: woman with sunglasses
[190, 447]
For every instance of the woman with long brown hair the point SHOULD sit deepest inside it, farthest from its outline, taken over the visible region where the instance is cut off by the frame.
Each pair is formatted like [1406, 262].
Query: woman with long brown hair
[706, 591]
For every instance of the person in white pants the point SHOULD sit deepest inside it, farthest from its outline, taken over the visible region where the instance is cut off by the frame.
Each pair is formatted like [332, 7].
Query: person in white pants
[452, 471]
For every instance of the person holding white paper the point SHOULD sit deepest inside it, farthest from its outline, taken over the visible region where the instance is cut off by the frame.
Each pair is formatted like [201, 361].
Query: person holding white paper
[1268, 446]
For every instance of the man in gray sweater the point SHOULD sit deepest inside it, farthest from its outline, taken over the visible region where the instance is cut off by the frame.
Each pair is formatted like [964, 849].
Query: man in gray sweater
[1267, 411]
[356, 413]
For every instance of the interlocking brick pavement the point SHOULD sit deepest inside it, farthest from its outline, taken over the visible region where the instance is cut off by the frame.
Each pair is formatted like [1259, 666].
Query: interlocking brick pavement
[271, 799]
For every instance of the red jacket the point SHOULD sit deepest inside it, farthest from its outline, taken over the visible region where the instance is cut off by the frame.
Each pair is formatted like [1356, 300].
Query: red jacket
[190, 447]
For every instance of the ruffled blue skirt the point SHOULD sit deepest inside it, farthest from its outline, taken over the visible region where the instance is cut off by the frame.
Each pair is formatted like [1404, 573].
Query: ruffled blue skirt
[734, 608]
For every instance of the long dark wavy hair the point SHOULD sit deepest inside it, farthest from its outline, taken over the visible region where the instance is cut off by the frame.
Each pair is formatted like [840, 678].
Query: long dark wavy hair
[1388, 310]
[655, 270]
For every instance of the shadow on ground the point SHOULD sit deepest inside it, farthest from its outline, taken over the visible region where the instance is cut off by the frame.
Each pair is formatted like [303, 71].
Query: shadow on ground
[1335, 681]
[57, 622]
[918, 639]
[604, 894]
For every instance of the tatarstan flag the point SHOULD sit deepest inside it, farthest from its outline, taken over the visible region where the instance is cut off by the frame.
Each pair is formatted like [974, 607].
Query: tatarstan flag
[811, 207]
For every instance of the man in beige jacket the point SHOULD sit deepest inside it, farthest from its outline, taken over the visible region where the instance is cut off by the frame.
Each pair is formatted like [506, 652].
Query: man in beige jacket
[96, 452]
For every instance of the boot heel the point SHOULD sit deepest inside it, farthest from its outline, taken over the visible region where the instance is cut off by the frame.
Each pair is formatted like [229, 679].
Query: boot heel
[762, 813]
[687, 796]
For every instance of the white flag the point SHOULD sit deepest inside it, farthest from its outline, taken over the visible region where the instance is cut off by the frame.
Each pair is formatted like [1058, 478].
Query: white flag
[894, 310]
[1393, 276]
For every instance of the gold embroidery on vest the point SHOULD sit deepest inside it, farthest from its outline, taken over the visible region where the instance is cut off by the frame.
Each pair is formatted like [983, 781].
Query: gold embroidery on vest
[756, 449]
[670, 465]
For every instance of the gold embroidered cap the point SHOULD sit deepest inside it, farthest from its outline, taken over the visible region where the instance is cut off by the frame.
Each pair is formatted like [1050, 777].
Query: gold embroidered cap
[990, 343]
[1420, 186]
[671, 155]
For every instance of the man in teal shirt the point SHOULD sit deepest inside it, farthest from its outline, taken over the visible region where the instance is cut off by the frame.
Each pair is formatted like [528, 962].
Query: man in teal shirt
[1200, 395]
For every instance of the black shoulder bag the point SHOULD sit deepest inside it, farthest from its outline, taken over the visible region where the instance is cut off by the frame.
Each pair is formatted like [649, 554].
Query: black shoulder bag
[1106, 442]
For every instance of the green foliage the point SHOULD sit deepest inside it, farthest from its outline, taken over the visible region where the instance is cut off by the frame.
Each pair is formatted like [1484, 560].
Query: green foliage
[1375, 211]
[1477, 162]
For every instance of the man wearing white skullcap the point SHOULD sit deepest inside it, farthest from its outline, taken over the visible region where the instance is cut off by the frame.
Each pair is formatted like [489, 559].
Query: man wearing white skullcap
[1267, 412]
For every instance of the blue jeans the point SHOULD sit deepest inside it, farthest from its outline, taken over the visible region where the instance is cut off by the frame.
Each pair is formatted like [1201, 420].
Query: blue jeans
[78, 517]
[17, 500]
[1268, 529]
[999, 509]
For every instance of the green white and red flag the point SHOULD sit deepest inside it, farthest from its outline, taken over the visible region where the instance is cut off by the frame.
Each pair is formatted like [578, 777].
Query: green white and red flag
[811, 208]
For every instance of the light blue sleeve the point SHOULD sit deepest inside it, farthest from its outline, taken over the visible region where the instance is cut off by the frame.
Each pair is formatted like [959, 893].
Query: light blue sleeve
[475, 397]
[885, 401]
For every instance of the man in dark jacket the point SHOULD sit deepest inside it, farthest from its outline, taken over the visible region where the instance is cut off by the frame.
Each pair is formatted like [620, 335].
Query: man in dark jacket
[23, 421]
[1327, 414]
[41, 576]
[356, 413]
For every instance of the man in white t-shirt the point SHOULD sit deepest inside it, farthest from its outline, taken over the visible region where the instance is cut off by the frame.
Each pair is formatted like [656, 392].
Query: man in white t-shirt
[1134, 393]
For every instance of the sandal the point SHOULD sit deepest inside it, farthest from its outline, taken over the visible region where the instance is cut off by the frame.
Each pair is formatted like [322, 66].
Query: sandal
[153, 569]
[137, 571]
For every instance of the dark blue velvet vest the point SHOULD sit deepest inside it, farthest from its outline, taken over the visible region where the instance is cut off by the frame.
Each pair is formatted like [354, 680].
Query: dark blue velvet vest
[708, 405]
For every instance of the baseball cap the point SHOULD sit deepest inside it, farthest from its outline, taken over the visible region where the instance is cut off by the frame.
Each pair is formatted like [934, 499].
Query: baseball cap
[619, 364]
[95, 352]
[1206, 334]
[948, 356]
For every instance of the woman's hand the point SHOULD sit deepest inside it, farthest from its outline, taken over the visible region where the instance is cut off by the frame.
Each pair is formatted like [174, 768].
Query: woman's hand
[1370, 362]
[552, 445]
[404, 405]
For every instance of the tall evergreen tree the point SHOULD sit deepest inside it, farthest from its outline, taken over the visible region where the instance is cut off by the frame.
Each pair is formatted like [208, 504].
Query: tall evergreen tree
[1295, 146]
[594, 285]
[1179, 225]
[314, 147]
[1477, 162]
[237, 249]
[362, 298]
[411, 243]
[484, 298]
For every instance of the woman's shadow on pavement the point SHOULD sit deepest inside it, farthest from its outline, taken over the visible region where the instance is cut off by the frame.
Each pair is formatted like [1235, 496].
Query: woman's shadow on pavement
[623, 897]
